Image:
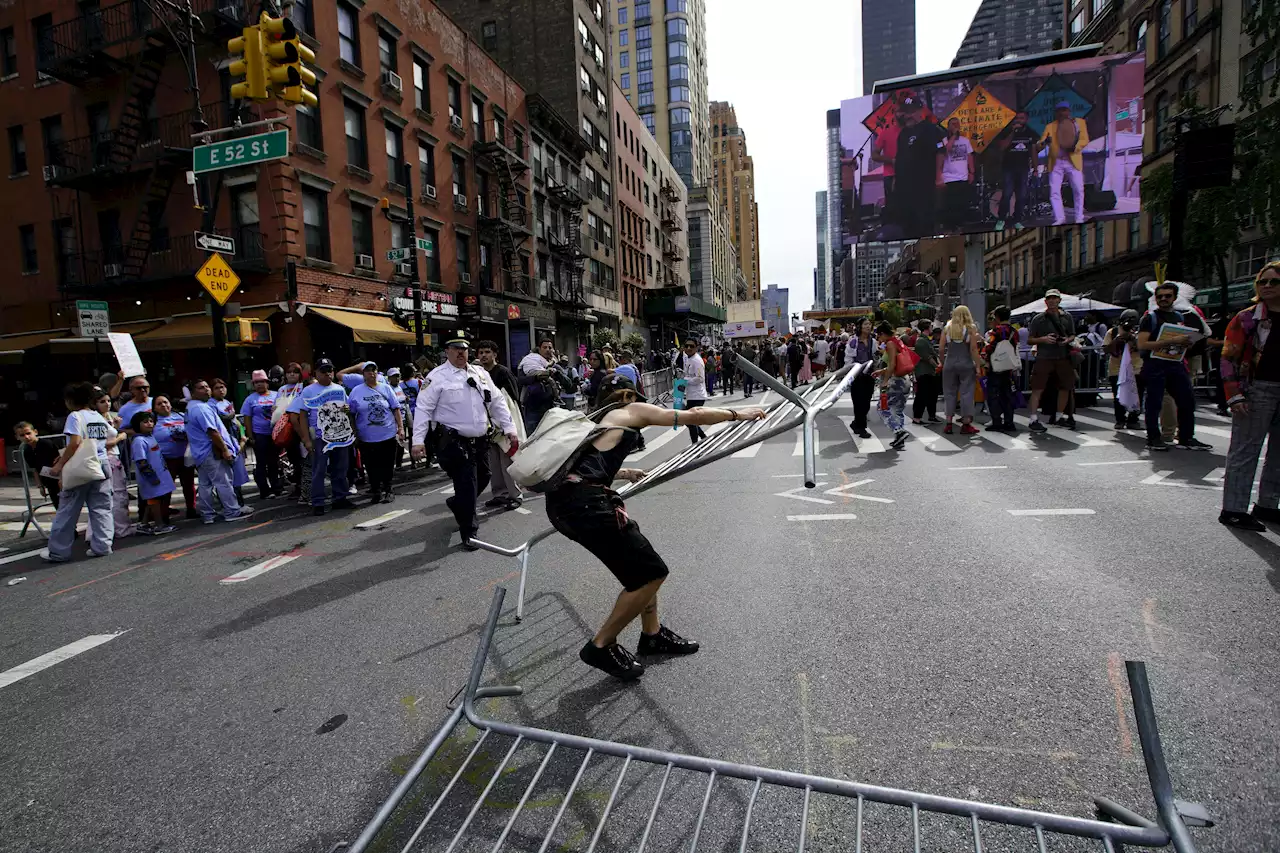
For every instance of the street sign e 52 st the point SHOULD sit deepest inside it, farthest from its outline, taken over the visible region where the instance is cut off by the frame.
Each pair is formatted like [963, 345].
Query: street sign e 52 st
[272, 145]
[397, 254]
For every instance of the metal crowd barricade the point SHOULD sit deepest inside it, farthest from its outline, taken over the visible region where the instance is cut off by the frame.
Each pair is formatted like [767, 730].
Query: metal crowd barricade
[781, 418]
[1091, 373]
[30, 484]
[1114, 825]
[657, 385]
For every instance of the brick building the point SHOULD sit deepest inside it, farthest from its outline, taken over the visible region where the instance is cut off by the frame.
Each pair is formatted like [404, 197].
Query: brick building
[99, 139]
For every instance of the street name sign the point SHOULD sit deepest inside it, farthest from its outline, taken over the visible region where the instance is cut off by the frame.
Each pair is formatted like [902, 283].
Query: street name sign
[217, 278]
[215, 243]
[425, 245]
[397, 254]
[92, 318]
[272, 145]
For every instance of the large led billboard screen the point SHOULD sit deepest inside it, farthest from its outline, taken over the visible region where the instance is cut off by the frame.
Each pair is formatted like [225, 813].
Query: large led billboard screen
[1051, 144]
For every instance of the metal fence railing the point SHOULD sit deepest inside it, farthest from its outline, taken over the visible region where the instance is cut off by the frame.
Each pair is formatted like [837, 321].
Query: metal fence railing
[657, 385]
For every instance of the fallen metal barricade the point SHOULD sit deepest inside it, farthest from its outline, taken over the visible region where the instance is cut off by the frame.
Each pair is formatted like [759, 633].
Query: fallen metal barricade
[1114, 826]
[29, 484]
[657, 385]
[721, 443]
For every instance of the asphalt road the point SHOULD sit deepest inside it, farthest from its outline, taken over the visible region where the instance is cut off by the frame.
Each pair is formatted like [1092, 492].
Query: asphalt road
[931, 639]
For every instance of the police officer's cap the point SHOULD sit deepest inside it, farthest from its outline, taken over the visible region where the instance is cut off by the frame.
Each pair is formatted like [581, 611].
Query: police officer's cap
[459, 339]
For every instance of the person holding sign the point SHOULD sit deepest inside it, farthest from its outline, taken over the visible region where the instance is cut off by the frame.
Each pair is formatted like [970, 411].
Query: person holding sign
[1163, 341]
[323, 423]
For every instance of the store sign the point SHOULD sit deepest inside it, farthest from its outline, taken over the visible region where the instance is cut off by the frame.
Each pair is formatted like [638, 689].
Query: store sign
[491, 310]
[744, 330]
[429, 305]
[513, 311]
[683, 304]
[542, 316]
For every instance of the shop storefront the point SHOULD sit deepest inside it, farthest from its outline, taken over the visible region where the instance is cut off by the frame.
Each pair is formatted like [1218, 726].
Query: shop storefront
[440, 313]
[515, 326]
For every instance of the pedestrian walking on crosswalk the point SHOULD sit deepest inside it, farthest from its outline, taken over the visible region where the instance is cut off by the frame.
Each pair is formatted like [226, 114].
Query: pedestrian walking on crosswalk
[894, 384]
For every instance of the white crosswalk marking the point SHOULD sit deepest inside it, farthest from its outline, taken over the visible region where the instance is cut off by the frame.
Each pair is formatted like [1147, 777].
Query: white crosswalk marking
[261, 568]
[748, 452]
[382, 519]
[55, 657]
[1217, 475]
[929, 438]
[1082, 439]
[798, 450]
[864, 445]
[1008, 442]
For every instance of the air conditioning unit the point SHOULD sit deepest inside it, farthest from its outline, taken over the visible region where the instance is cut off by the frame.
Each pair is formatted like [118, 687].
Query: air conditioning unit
[586, 88]
[465, 277]
[112, 270]
[544, 288]
[53, 173]
[392, 80]
[460, 201]
[428, 191]
[404, 269]
[455, 121]
[364, 262]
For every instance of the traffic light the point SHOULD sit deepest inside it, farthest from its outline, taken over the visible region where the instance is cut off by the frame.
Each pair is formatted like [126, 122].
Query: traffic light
[287, 74]
[251, 66]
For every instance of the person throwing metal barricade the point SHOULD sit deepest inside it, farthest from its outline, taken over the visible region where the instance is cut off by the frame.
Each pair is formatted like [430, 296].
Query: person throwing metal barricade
[585, 509]
[465, 405]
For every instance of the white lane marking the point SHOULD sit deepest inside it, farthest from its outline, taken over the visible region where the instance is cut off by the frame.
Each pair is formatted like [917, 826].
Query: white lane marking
[17, 507]
[524, 511]
[13, 558]
[441, 490]
[846, 492]
[1051, 512]
[1114, 462]
[1008, 442]
[382, 519]
[447, 490]
[57, 656]
[792, 493]
[980, 468]
[653, 445]
[1202, 428]
[750, 453]
[835, 516]
[1157, 479]
[781, 476]
[1217, 475]
[798, 450]
[1084, 440]
[863, 445]
[929, 438]
[261, 568]
[764, 399]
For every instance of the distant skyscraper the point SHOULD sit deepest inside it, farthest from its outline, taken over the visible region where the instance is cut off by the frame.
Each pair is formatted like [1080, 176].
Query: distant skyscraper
[1003, 28]
[835, 248]
[888, 40]
[821, 278]
[774, 308]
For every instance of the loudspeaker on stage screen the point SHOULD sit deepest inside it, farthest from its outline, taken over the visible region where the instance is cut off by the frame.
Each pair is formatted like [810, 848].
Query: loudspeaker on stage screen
[1053, 144]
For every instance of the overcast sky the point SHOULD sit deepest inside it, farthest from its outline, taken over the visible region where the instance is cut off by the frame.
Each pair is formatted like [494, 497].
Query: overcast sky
[783, 66]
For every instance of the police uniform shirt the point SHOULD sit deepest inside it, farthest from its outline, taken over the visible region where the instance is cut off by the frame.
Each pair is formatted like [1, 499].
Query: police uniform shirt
[451, 401]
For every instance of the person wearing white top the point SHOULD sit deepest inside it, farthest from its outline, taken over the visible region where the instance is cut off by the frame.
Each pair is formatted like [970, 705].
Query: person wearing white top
[116, 436]
[83, 423]
[695, 389]
[956, 153]
[463, 402]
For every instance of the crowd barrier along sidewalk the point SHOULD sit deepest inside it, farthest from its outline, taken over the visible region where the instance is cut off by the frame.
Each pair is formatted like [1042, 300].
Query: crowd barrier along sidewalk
[29, 486]
[781, 418]
[657, 385]
[1114, 826]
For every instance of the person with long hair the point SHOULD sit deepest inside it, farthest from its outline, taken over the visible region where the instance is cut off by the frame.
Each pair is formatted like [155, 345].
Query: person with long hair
[959, 354]
[84, 423]
[587, 510]
[861, 349]
[894, 385]
[117, 434]
[1251, 380]
[291, 388]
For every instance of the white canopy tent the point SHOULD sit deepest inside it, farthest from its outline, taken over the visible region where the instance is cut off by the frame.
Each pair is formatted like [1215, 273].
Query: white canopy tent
[1070, 304]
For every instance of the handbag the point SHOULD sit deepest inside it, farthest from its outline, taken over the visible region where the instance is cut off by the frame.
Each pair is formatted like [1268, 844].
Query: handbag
[1004, 357]
[906, 362]
[282, 432]
[84, 466]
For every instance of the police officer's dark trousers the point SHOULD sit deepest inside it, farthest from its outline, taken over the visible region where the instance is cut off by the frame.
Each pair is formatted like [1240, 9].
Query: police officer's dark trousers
[466, 461]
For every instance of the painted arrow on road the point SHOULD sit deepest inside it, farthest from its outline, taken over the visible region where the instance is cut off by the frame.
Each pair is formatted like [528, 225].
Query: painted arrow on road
[847, 492]
[795, 495]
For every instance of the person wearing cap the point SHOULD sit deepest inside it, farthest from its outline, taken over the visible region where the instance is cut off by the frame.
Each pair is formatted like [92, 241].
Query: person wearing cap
[1051, 336]
[463, 401]
[322, 422]
[256, 411]
[378, 428]
[917, 167]
[213, 453]
[1065, 137]
[586, 510]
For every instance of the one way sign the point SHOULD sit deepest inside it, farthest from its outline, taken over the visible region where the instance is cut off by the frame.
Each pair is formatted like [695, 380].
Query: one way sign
[215, 243]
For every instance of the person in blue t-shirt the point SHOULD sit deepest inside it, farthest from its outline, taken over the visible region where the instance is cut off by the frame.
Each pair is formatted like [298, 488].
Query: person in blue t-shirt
[84, 423]
[213, 453]
[155, 485]
[256, 412]
[323, 423]
[380, 429]
[139, 400]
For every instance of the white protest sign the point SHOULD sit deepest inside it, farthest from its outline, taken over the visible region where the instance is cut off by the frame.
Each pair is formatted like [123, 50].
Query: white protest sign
[127, 354]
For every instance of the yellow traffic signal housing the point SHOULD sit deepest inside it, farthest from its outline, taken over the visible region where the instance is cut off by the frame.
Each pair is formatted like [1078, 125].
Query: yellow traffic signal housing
[251, 66]
[287, 59]
[242, 332]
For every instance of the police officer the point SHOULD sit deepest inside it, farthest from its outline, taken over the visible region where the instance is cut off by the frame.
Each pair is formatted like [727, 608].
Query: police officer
[463, 403]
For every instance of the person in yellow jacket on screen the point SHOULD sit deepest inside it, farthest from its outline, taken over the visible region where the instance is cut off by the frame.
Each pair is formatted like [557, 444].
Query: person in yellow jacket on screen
[1066, 136]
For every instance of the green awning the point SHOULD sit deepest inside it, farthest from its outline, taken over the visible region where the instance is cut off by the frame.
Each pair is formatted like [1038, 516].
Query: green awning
[684, 306]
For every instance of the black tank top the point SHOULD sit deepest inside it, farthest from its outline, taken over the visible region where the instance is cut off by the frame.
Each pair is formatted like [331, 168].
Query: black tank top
[601, 466]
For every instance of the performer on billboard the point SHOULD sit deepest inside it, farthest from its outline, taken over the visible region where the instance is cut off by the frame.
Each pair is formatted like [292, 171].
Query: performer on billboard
[956, 178]
[1015, 168]
[917, 169]
[1066, 138]
[883, 151]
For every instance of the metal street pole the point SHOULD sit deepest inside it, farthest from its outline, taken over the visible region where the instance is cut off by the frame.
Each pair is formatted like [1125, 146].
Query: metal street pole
[420, 344]
[1177, 203]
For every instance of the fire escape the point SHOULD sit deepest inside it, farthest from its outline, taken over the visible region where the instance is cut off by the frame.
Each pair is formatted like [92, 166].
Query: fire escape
[139, 156]
[670, 225]
[508, 223]
[568, 245]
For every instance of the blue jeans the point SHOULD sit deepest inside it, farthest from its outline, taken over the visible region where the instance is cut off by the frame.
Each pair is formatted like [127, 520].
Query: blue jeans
[1171, 376]
[334, 464]
[62, 533]
[214, 475]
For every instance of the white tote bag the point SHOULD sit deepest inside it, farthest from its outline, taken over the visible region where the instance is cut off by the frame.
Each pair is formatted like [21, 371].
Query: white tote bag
[1127, 385]
[84, 466]
[1004, 358]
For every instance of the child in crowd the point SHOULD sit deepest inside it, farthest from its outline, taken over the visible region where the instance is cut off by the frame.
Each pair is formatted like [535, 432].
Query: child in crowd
[40, 454]
[155, 485]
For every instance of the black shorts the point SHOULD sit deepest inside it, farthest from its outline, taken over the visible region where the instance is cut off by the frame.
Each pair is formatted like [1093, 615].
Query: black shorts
[596, 518]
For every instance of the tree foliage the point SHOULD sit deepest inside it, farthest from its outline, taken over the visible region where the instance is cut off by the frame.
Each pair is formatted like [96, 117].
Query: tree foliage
[635, 343]
[602, 337]
[892, 313]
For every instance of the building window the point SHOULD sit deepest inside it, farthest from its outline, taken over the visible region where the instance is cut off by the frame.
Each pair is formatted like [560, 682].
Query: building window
[1098, 243]
[361, 229]
[421, 86]
[244, 208]
[678, 73]
[1067, 250]
[677, 6]
[1187, 90]
[1135, 232]
[644, 59]
[17, 150]
[1077, 24]
[427, 163]
[677, 49]
[395, 154]
[315, 223]
[463, 243]
[623, 36]
[27, 244]
[459, 177]
[1140, 36]
[433, 257]
[1163, 138]
[644, 35]
[8, 52]
[622, 16]
[499, 129]
[1250, 258]
[489, 36]
[455, 100]
[482, 193]
[678, 93]
[624, 59]
[677, 28]
[642, 10]
[387, 52]
[650, 121]
[477, 119]
[308, 122]
[680, 116]
[54, 143]
[1164, 23]
[486, 268]
[303, 16]
[1157, 230]
[357, 145]
[584, 34]
[1095, 9]
[348, 34]
[1084, 249]
[1189, 17]
[517, 139]
[625, 81]
[400, 235]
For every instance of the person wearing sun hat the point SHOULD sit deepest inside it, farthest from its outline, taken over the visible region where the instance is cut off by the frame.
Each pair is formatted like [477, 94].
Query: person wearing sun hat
[256, 410]
[462, 401]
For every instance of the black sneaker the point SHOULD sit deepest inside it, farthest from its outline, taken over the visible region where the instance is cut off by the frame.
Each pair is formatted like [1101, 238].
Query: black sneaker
[1194, 444]
[665, 642]
[317, 510]
[899, 440]
[388, 498]
[612, 659]
[343, 503]
[468, 545]
[862, 433]
[492, 502]
[1241, 521]
[1036, 426]
[1121, 425]
[994, 428]
[1131, 423]
[1266, 513]
[1157, 444]
[1069, 422]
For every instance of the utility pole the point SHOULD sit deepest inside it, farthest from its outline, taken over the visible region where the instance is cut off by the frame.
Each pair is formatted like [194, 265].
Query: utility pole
[1178, 199]
[420, 343]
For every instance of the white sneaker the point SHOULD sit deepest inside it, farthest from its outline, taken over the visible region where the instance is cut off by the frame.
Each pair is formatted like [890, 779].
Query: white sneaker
[245, 512]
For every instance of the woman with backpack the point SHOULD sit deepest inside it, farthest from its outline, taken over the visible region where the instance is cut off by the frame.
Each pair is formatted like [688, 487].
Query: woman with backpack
[587, 510]
[959, 354]
[1001, 355]
[895, 383]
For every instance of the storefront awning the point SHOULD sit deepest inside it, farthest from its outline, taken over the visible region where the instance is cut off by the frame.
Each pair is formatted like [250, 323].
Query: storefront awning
[191, 331]
[367, 328]
[13, 347]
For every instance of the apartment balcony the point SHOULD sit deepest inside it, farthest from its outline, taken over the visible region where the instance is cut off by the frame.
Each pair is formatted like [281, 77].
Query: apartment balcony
[103, 270]
[672, 252]
[566, 190]
[671, 222]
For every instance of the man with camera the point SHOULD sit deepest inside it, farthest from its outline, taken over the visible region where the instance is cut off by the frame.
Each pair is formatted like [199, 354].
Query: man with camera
[1051, 335]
